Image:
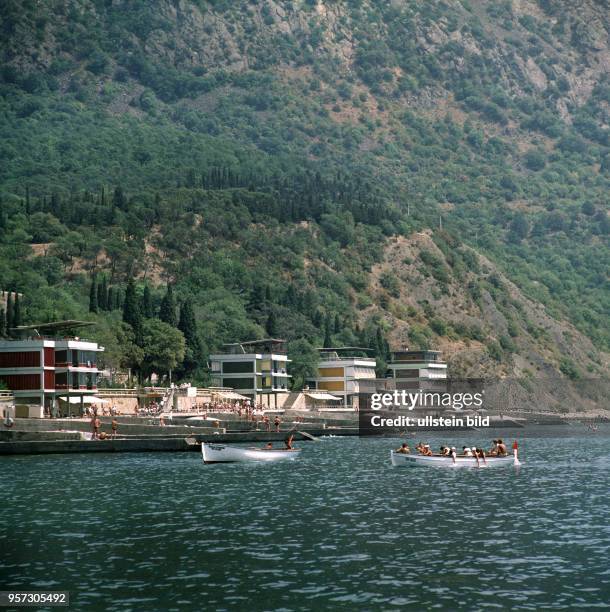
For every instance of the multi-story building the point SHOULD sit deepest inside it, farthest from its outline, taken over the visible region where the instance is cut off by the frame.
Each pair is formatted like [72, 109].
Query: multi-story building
[346, 372]
[413, 370]
[49, 375]
[256, 369]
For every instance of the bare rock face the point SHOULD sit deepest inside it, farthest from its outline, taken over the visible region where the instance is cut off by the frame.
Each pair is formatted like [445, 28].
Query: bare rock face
[535, 75]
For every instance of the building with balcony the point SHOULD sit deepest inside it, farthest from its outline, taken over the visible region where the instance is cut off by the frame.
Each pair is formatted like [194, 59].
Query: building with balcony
[46, 375]
[346, 372]
[257, 369]
[414, 370]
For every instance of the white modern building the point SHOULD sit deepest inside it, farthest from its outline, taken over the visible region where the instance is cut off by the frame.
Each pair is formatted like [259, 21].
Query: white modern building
[257, 369]
[413, 370]
[347, 373]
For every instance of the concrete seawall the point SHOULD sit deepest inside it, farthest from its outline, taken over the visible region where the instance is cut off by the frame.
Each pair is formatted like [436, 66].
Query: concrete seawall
[148, 443]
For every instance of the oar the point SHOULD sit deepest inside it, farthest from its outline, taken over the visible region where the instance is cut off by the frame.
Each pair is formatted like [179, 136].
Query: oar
[308, 436]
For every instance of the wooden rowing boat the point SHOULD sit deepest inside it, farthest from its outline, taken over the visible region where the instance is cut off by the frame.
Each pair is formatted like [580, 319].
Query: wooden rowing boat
[400, 459]
[222, 453]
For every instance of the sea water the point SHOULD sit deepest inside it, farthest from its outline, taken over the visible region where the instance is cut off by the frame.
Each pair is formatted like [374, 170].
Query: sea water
[340, 528]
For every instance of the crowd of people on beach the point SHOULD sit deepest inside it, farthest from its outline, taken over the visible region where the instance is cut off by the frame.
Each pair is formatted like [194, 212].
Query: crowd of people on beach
[255, 413]
[96, 425]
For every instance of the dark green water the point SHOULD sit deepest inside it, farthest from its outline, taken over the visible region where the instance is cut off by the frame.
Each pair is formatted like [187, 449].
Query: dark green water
[339, 529]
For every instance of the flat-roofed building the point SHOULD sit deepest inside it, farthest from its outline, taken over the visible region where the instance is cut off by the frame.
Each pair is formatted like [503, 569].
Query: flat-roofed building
[347, 372]
[421, 369]
[257, 369]
[49, 374]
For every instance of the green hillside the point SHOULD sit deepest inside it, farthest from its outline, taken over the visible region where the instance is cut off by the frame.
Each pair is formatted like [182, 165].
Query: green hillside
[264, 157]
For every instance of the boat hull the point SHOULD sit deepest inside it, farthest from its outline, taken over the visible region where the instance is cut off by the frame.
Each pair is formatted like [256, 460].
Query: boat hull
[221, 453]
[399, 459]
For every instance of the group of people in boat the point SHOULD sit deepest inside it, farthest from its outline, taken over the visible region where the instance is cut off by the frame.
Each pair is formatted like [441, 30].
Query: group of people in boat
[497, 450]
[287, 444]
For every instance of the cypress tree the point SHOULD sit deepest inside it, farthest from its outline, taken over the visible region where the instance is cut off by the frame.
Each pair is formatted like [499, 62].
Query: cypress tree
[2, 323]
[17, 311]
[194, 348]
[93, 296]
[131, 312]
[147, 305]
[187, 323]
[271, 325]
[118, 299]
[167, 312]
[118, 199]
[102, 295]
[317, 319]
[337, 324]
[328, 342]
[110, 299]
[9, 313]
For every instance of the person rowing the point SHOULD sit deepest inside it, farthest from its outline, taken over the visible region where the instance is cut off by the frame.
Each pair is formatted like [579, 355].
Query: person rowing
[501, 451]
[479, 453]
[404, 449]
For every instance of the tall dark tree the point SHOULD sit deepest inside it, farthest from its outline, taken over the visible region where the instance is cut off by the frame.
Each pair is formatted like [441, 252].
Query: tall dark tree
[9, 312]
[337, 326]
[118, 199]
[271, 325]
[102, 294]
[2, 323]
[328, 341]
[110, 298]
[318, 318]
[167, 312]
[194, 353]
[17, 311]
[147, 305]
[257, 298]
[93, 306]
[131, 312]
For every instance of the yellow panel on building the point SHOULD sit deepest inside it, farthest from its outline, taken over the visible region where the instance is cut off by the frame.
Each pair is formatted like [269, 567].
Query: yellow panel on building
[331, 385]
[330, 372]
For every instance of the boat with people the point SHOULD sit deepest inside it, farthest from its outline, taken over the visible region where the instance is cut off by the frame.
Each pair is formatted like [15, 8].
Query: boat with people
[224, 453]
[399, 459]
[448, 456]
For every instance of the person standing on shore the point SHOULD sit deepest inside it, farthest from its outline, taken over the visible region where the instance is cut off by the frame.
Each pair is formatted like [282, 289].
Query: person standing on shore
[115, 426]
[277, 423]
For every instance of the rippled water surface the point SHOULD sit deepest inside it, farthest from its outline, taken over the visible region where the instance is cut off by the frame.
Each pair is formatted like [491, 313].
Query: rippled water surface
[338, 529]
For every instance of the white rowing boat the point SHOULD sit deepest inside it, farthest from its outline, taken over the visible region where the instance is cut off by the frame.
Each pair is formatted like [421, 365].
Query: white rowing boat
[221, 453]
[400, 459]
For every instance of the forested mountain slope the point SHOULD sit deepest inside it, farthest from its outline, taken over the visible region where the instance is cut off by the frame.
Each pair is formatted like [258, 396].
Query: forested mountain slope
[267, 157]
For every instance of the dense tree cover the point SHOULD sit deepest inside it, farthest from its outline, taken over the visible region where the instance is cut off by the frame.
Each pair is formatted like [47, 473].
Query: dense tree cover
[232, 203]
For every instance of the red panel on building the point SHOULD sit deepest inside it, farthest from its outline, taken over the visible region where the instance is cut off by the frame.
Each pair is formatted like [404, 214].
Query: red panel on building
[49, 379]
[20, 359]
[49, 357]
[21, 382]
